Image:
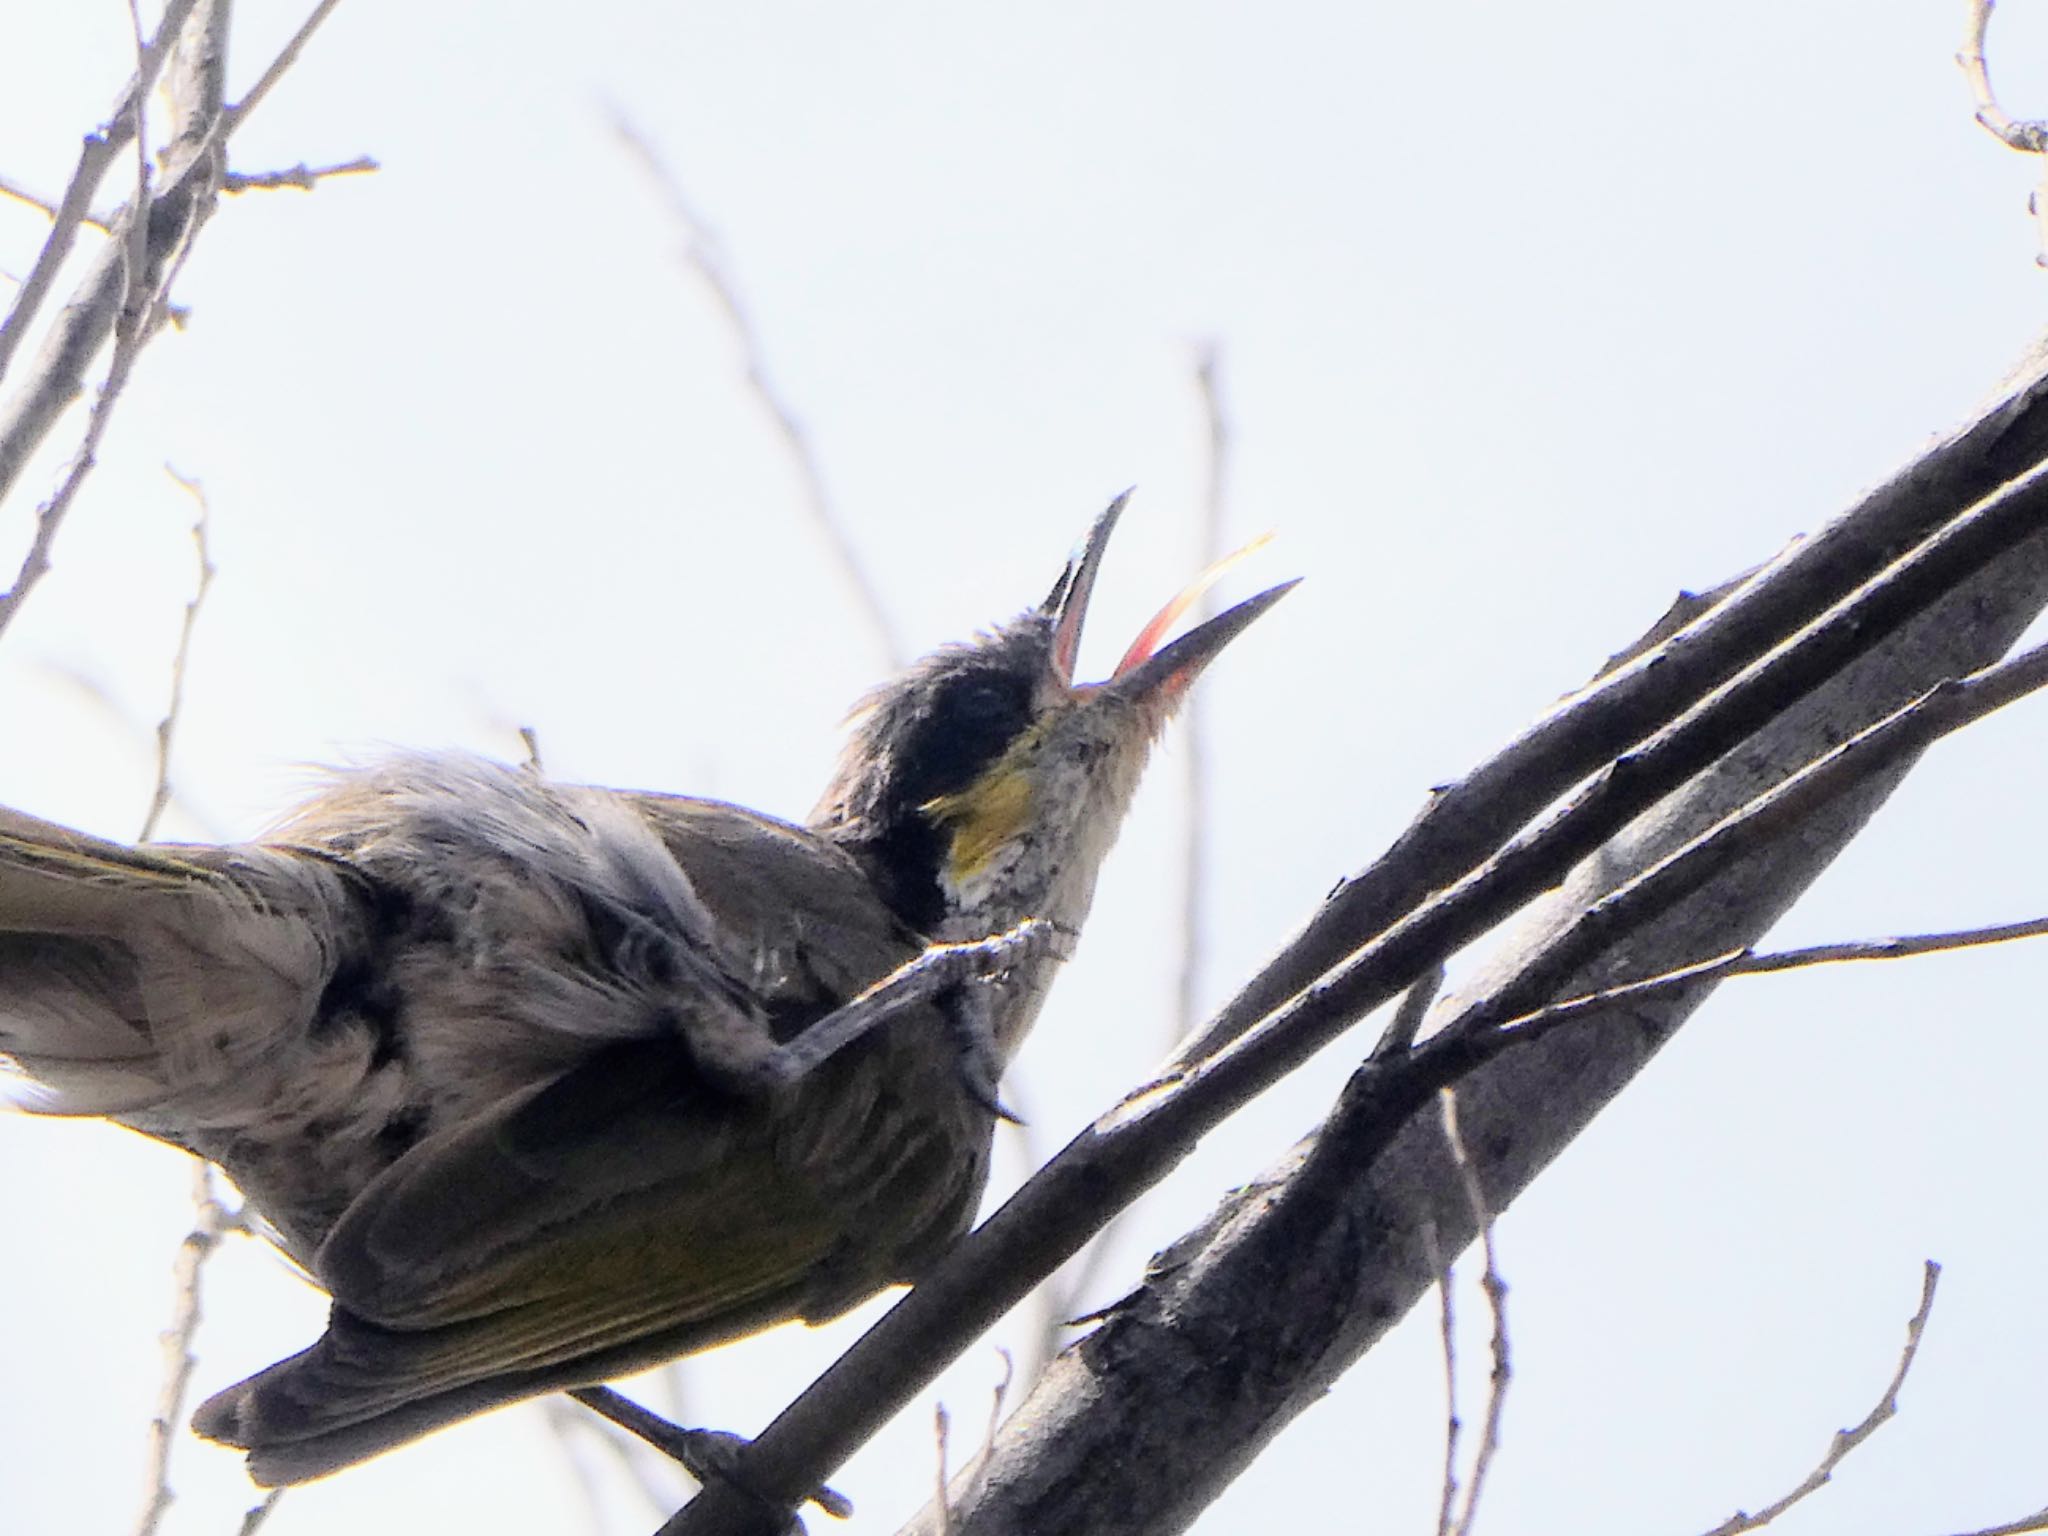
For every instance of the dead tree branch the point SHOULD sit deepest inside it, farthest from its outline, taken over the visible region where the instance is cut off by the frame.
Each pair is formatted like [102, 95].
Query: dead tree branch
[124, 296]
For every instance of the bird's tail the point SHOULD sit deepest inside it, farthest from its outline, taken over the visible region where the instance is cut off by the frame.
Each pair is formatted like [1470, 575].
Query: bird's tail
[135, 980]
[363, 1389]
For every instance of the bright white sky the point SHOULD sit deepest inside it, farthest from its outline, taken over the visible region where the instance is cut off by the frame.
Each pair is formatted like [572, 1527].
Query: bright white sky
[1530, 316]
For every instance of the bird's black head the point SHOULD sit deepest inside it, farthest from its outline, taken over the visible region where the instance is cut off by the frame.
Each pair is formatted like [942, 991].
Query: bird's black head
[928, 734]
[985, 785]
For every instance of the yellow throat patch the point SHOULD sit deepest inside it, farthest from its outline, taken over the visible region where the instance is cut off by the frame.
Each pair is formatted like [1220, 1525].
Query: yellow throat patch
[983, 817]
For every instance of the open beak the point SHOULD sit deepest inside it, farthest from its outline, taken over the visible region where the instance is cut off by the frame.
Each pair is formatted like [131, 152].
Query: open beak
[1148, 671]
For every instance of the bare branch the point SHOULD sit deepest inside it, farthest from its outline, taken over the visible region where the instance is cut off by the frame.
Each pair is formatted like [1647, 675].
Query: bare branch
[709, 1455]
[977, 1470]
[1496, 1290]
[657, 1478]
[1847, 1440]
[2026, 1525]
[137, 232]
[211, 1220]
[1409, 1015]
[2029, 137]
[1448, 1325]
[259, 1516]
[160, 796]
[1946, 707]
[701, 252]
[1193, 729]
[1740, 962]
[49, 210]
[942, 1506]
[302, 176]
[125, 295]
[94, 157]
[286, 58]
[1464, 823]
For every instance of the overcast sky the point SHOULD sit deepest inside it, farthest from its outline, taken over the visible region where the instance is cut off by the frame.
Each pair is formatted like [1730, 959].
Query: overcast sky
[1528, 317]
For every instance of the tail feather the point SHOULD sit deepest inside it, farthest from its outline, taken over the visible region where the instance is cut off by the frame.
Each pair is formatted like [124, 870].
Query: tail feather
[363, 1389]
[133, 977]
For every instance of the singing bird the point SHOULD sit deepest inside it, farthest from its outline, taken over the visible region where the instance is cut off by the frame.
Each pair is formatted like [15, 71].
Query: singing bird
[502, 1063]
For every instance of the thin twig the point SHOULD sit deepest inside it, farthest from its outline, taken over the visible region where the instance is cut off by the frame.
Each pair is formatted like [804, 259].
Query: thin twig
[237, 114]
[1847, 1440]
[259, 1516]
[705, 1454]
[1063, 1301]
[1744, 962]
[50, 515]
[1930, 503]
[978, 1467]
[1496, 1290]
[568, 1426]
[94, 157]
[643, 1466]
[2027, 137]
[211, 1220]
[701, 251]
[302, 176]
[111, 299]
[1942, 709]
[126, 294]
[1193, 729]
[138, 227]
[2026, 1525]
[942, 1506]
[1409, 1014]
[1433, 1255]
[160, 796]
[49, 210]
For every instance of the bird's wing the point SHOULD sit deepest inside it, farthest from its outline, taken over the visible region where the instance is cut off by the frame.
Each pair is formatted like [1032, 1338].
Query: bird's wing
[632, 1162]
[624, 1196]
[814, 925]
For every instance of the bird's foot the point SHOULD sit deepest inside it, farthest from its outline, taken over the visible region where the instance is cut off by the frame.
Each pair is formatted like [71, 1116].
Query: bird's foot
[981, 1063]
[933, 970]
[985, 961]
[706, 1454]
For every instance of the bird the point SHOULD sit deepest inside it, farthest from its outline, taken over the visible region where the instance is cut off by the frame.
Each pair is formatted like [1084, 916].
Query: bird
[526, 1076]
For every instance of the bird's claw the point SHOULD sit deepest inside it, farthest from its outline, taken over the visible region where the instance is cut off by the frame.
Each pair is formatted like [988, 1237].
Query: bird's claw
[715, 1453]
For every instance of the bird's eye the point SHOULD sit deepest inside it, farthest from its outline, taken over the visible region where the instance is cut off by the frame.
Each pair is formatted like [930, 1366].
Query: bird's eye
[984, 701]
[971, 720]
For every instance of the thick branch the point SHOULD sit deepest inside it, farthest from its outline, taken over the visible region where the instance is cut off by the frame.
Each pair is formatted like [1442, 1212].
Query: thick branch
[1290, 1282]
[1463, 824]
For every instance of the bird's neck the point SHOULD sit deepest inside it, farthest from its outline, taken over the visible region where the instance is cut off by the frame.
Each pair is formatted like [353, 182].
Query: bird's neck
[905, 858]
